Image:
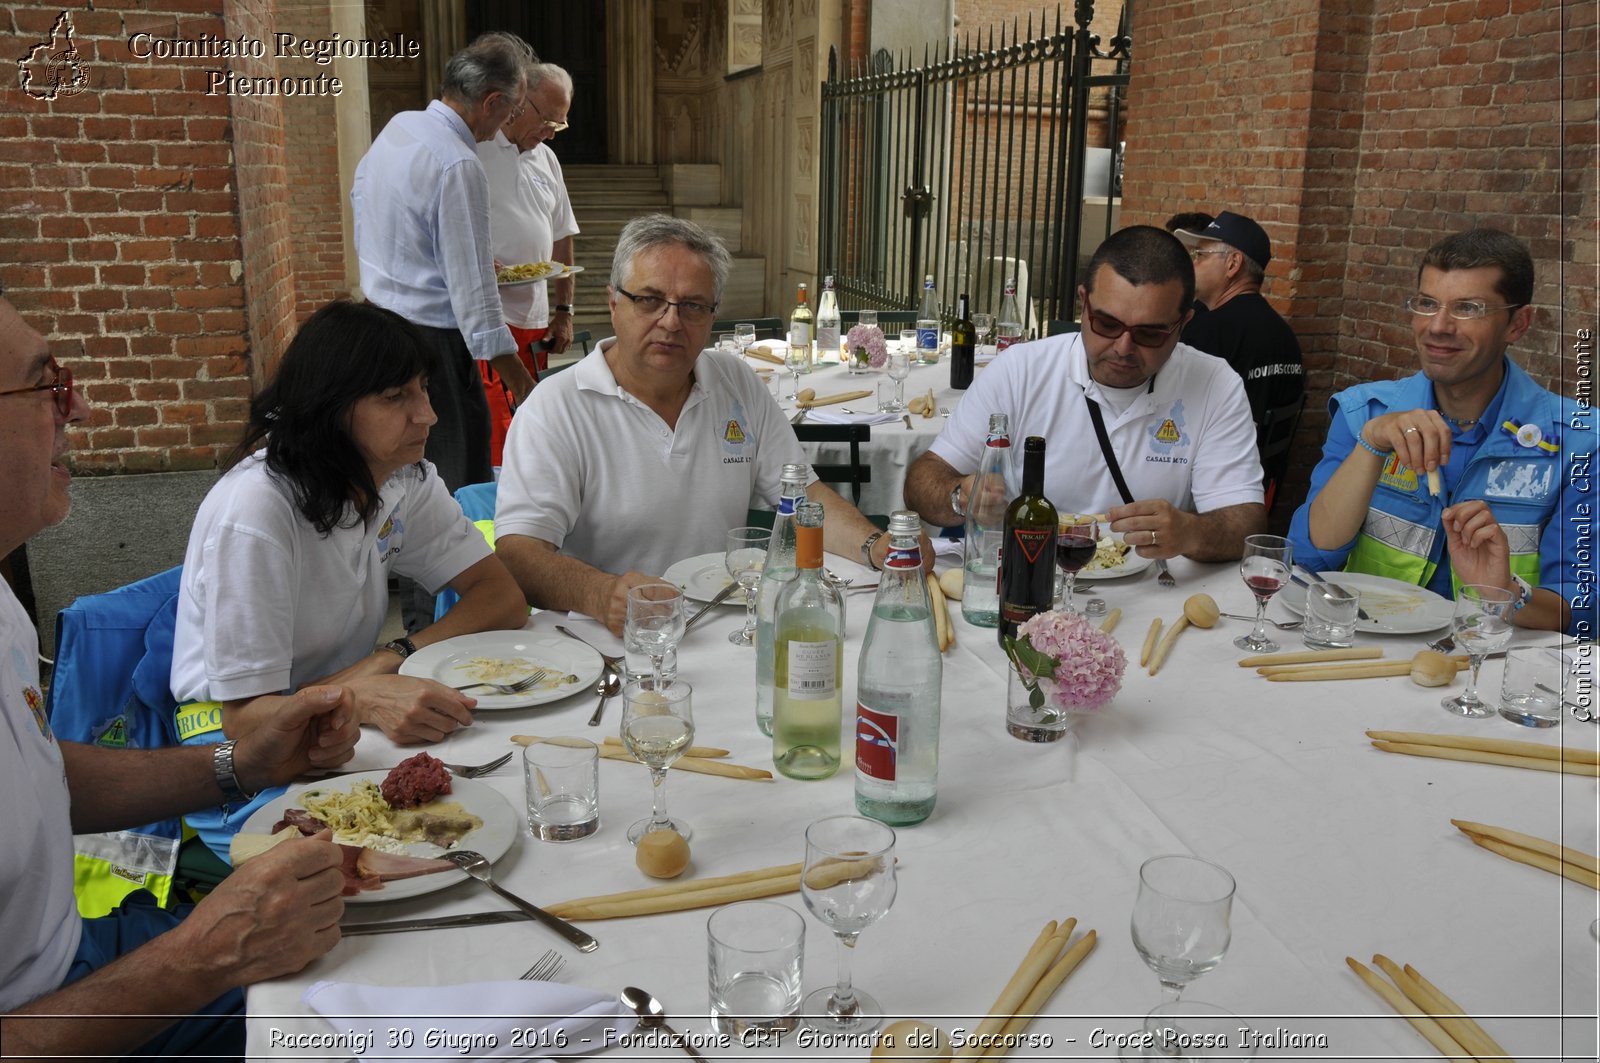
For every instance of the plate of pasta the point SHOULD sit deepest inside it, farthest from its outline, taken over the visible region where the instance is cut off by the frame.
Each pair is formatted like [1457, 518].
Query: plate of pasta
[506, 657]
[533, 272]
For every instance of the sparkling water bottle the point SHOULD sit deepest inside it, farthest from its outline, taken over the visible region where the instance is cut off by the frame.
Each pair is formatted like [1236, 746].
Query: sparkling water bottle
[828, 321]
[986, 515]
[897, 690]
[928, 326]
[778, 571]
[1008, 328]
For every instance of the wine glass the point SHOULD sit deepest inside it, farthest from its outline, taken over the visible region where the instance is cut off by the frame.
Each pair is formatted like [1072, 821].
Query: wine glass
[657, 726]
[1481, 624]
[744, 334]
[982, 324]
[848, 883]
[899, 369]
[796, 359]
[744, 558]
[1180, 919]
[1190, 1030]
[1077, 538]
[1265, 568]
[655, 623]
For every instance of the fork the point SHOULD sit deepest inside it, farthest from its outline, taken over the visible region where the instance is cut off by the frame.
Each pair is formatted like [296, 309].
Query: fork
[548, 966]
[521, 686]
[1163, 576]
[1444, 645]
[615, 663]
[1285, 625]
[464, 771]
[477, 865]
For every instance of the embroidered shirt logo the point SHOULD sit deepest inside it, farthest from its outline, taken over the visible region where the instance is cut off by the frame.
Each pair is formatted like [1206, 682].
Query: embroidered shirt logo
[734, 433]
[1398, 476]
[1168, 432]
[390, 535]
[35, 703]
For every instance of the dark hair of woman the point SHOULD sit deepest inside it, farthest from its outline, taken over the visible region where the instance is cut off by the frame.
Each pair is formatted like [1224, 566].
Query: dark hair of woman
[343, 353]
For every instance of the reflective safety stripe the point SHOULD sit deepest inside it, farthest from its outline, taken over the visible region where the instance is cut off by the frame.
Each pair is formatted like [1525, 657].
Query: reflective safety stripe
[196, 718]
[108, 867]
[1522, 538]
[1402, 535]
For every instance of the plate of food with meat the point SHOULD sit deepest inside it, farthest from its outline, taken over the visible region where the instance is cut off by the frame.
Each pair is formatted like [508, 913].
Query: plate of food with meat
[394, 826]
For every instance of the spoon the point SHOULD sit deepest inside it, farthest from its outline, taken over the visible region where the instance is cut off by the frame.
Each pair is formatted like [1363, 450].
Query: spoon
[609, 687]
[652, 1014]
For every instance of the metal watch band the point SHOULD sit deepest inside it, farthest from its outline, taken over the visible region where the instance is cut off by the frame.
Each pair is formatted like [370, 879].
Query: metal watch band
[227, 780]
[563, 308]
[866, 549]
[955, 500]
[402, 646]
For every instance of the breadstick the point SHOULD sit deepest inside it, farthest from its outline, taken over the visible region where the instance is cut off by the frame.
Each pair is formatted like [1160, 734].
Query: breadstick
[829, 400]
[1450, 1018]
[1150, 641]
[1445, 1004]
[1042, 992]
[1361, 669]
[1434, 487]
[703, 898]
[1576, 857]
[1314, 674]
[1034, 965]
[830, 873]
[941, 614]
[1425, 1026]
[703, 752]
[1514, 747]
[1574, 872]
[1162, 650]
[1109, 624]
[1353, 653]
[694, 764]
[1478, 756]
[765, 355]
[760, 874]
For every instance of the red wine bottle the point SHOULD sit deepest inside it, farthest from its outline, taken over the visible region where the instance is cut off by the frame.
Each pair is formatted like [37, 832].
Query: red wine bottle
[1027, 554]
[963, 347]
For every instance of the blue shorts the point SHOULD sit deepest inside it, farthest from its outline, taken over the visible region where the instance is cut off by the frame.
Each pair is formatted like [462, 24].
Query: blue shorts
[216, 1032]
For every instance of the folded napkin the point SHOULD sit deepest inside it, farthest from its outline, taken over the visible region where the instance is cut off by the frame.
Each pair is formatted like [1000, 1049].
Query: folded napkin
[823, 415]
[948, 549]
[480, 1020]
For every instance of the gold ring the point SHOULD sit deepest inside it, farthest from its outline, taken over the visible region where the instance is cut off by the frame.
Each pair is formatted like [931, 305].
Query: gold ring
[1152, 537]
[1408, 431]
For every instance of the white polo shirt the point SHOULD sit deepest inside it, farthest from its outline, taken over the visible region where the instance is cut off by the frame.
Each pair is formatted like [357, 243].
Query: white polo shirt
[598, 473]
[269, 604]
[1189, 440]
[528, 212]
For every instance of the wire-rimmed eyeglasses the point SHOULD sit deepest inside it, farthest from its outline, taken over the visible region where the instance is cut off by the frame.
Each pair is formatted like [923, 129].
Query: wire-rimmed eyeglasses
[60, 388]
[655, 306]
[1460, 309]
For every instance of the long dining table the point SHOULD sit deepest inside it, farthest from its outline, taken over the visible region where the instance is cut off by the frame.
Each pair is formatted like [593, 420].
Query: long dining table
[1338, 849]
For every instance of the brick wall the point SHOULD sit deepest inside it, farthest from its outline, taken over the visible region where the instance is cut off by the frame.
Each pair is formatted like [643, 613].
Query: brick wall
[1359, 134]
[311, 155]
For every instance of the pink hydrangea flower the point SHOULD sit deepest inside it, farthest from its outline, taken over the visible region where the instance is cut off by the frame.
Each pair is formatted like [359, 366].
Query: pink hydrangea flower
[870, 337]
[1087, 663]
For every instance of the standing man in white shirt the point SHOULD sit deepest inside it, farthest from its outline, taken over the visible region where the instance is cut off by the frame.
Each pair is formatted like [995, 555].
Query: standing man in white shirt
[530, 220]
[421, 202]
[1175, 421]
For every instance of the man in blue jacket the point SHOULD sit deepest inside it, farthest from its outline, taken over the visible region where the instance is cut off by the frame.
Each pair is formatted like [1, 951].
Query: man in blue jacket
[1468, 471]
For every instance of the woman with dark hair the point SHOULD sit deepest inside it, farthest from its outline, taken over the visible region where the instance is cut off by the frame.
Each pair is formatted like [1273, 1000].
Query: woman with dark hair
[285, 582]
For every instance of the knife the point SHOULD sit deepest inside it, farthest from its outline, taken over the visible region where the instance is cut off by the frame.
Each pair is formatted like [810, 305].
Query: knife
[447, 922]
[721, 597]
[1360, 612]
[797, 418]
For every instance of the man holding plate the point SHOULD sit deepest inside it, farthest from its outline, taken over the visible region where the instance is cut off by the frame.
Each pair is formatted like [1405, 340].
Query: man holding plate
[1469, 447]
[652, 447]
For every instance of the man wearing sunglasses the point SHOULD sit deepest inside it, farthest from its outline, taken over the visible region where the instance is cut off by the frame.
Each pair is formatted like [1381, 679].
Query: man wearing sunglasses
[141, 965]
[1515, 503]
[652, 448]
[1124, 401]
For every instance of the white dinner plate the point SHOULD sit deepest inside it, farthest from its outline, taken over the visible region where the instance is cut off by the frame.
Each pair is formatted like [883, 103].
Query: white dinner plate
[450, 662]
[1132, 565]
[702, 578]
[493, 839]
[562, 270]
[1393, 607]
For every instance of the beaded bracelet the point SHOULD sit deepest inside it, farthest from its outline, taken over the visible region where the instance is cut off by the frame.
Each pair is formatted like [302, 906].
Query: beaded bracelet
[1369, 448]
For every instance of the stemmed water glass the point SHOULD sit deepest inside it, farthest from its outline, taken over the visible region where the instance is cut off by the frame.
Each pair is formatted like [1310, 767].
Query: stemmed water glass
[1180, 919]
[848, 883]
[1077, 538]
[657, 726]
[744, 334]
[1481, 624]
[796, 359]
[655, 622]
[1265, 568]
[899, 369]
[982, 324]
[745, 556]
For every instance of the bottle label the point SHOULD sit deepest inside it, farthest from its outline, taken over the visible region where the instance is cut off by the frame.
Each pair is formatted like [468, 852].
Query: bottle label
[1002, 342]
[799, 335]
[927, 337]
[1014, 613]
[812, 672]
[787, 504]
[999, 442]
[1032, 541]
[877, 743]
[904, 558]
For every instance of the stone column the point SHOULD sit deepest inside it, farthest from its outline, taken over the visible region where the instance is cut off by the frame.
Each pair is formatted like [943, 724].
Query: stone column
[630, 103]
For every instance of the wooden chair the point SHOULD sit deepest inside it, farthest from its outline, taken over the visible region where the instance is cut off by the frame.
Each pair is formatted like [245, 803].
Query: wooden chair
[855, 472]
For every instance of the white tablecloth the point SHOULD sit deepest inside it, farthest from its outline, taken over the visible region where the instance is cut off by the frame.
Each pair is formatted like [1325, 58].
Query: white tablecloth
[1338, 850]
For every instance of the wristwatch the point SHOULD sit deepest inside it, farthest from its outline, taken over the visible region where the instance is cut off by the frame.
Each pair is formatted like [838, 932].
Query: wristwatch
[955, 500]
[1524, 593]
[402, 646]
[866, 549]
[563, 308]
[227, 781]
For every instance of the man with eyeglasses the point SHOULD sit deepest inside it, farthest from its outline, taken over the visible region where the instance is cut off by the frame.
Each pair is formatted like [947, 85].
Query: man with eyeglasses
[1153, 433]
[652, 448]
[1508, 512]
[530, 220]
[1238, 325]
[140, 966]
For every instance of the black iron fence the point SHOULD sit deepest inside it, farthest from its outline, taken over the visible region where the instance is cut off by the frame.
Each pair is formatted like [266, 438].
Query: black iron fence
[974, 166]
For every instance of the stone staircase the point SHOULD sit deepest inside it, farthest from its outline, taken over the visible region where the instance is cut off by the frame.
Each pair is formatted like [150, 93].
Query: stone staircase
[605, 198]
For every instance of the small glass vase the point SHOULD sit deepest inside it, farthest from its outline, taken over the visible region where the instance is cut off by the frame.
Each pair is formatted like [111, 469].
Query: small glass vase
[1046, 723]
[857, 362]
